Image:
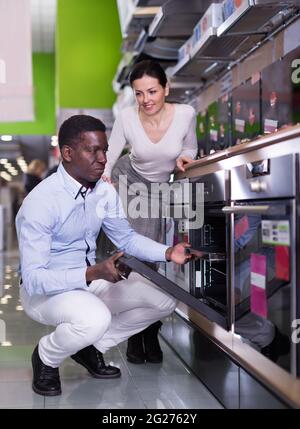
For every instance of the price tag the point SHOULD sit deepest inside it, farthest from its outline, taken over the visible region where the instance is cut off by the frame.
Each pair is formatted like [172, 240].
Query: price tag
[214, 135]
[270, 126]
[258, 299]
[276, 233]
[240, 125]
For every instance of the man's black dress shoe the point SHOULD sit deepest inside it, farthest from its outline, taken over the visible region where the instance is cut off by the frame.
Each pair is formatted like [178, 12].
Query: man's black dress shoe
[135, 349]
[46, 379]
[144, 346]
[153, 352]
[93, 361]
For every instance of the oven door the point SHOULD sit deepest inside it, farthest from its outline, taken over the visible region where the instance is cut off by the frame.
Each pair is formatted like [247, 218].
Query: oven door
[263, 279]
[203, 279]
[177, 231]
[209, 275]
[171, 288]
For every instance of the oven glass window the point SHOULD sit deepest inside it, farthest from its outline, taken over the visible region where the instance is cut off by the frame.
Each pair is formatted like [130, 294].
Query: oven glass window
[209, 274]
[262, 245]
[176, 232]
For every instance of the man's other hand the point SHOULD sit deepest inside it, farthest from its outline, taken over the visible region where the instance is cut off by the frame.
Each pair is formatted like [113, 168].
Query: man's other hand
[106, 270]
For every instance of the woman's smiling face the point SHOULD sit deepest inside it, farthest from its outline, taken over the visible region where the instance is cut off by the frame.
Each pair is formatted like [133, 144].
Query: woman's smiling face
[150, 94]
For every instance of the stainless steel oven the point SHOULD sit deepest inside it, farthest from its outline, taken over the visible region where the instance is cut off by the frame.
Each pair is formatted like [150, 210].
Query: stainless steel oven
[204, 279]
[263, 231]
[177, 230]
[209, 275]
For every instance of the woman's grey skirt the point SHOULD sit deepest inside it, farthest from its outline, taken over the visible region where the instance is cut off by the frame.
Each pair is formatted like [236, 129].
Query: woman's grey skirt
[141, 200]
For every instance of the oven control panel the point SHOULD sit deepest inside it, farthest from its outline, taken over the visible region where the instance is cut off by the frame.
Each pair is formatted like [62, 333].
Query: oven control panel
[272, 178]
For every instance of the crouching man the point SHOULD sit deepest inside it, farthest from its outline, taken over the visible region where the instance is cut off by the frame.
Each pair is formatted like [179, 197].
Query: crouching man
[88, 303]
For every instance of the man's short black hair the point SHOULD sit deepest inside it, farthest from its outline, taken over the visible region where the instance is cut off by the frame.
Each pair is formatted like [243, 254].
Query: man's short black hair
[72, 128]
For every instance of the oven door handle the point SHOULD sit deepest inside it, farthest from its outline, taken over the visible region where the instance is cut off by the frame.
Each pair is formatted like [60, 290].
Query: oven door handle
[246, 209]
[207, 256]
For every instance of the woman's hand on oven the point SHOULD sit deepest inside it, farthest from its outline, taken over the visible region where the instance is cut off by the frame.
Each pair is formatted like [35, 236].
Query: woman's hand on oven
[182, 161]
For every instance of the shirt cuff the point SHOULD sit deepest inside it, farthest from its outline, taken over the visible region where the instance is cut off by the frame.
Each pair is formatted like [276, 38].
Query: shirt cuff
[76, 278]
[162, 256]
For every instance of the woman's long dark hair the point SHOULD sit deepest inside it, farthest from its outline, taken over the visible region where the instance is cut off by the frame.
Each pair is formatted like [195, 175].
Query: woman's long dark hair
[148, 68]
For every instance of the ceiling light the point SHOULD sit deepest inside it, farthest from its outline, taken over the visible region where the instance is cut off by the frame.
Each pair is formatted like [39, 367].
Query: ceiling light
[210, 68]
[5, 176]
[5, 343]
[21, 162]
[7, 296]
[54, 141]
[6, 138]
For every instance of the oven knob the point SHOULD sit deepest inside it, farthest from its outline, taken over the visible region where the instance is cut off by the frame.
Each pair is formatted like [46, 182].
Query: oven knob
[258, 186]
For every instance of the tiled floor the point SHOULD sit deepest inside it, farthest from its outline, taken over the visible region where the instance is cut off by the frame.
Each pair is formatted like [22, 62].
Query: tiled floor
[166, 386]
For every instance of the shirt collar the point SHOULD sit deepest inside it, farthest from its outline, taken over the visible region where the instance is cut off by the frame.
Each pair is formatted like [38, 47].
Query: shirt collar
[71, 185]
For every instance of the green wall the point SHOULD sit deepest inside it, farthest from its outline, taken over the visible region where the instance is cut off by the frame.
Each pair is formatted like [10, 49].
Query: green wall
[88, 40]
[44, 102]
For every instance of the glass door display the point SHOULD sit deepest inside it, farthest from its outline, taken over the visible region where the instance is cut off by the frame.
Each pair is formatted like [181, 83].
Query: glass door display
[263, 276]
[210, 272]
[176, 232]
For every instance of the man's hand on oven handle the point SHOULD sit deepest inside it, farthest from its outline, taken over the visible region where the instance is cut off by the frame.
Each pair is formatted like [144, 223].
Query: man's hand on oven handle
[181, 254]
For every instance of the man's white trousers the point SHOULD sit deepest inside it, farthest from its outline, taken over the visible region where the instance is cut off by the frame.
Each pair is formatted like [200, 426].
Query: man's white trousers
[104, 315]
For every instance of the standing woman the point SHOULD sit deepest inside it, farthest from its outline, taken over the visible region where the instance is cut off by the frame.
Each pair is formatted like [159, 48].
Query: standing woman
[162, 136]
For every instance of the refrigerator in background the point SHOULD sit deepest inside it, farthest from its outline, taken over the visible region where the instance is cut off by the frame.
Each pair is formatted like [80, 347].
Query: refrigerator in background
[218, 128]
[201, 131]
[246, 111]
[224, 122]
[281, 93]
[213, 127]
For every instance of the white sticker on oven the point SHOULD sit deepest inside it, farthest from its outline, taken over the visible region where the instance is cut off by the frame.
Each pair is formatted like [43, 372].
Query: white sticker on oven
[240, 125]
[270, 126]
[213, 135]
[276, 232]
